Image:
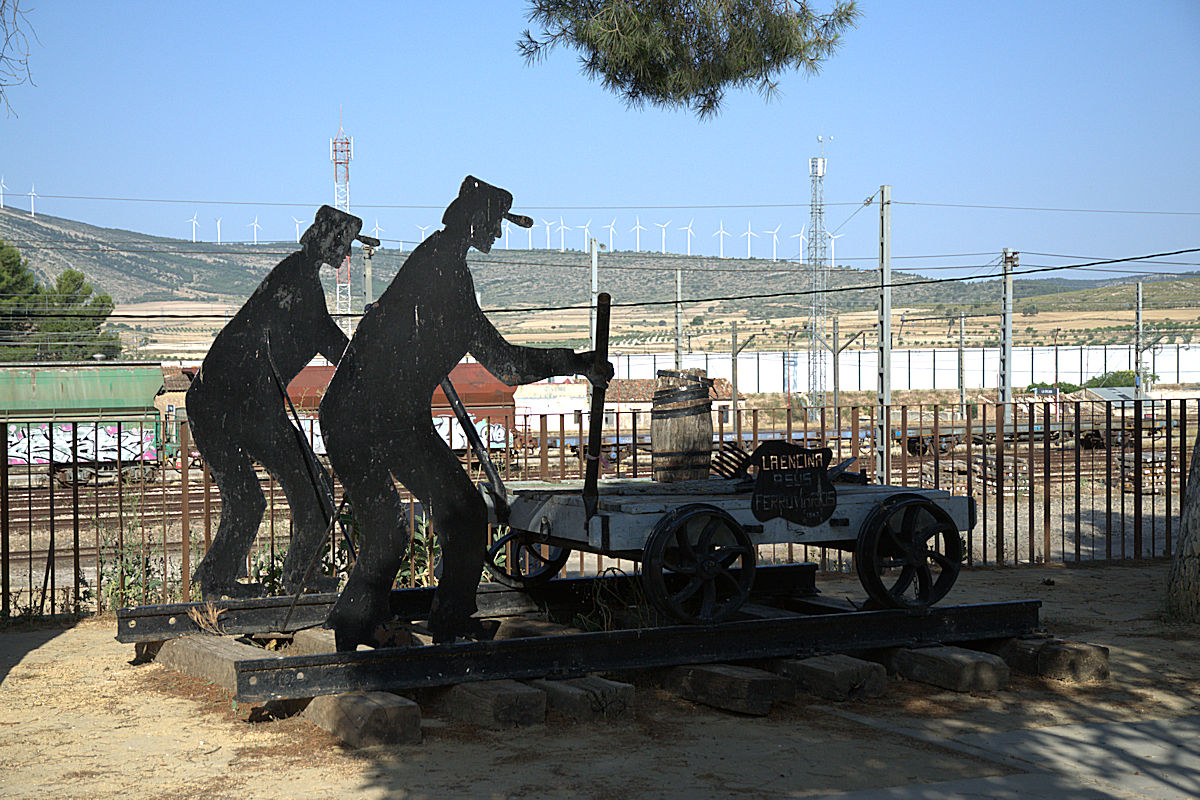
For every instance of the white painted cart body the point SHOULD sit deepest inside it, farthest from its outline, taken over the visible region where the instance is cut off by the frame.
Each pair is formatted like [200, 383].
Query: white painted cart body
[910, 534]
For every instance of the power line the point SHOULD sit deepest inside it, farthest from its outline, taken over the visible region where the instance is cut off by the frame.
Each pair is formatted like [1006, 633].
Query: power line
[419, 207]
[728, 298]
[1041, 208]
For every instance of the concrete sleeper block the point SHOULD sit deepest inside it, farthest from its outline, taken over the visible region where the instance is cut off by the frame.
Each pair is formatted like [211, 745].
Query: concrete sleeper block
[1073, 661]
[497, 704]
[364, 719]
[835, 676]
[588, 698]
[954, 668]
[733, 688]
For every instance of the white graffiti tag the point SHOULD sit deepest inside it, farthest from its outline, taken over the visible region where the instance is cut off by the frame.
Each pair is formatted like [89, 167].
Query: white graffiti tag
[35, 443]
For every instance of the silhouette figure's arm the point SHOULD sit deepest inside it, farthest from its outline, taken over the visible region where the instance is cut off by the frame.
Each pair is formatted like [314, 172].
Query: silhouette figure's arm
[332, 340]
[515, 364]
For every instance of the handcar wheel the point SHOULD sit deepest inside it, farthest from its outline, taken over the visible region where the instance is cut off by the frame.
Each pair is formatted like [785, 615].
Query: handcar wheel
[515, 560]
[698, 565]
[909, 553]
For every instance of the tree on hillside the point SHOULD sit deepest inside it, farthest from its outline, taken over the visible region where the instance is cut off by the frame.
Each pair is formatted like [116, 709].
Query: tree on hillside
[686, 53]
[59, 323]
[18, 287]
[69, 319]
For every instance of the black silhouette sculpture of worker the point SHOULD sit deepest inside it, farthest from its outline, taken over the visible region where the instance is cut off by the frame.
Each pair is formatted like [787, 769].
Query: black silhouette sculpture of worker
[376, 421]
[236, 411]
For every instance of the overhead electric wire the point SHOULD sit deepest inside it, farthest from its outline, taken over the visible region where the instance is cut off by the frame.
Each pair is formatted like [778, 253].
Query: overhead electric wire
[1042, 208]
[419, 207]
[718, 299]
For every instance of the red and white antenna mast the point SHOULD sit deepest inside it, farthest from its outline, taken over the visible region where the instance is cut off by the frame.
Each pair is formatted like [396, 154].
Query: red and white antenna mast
[341, 151]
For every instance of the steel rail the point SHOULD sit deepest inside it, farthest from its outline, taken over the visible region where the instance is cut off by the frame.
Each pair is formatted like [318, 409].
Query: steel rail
[402, 668]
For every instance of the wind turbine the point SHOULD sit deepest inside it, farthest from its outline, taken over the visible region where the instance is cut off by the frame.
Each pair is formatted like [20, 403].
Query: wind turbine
[637, 242]
[749, 232]
[422, 229]
[218, 230]
[507, 228]
[690, 234]
[774, 242]
[802, 241]
[586, 230]
[562, 236]
[833, 240]
[529, 230]
[376, 230]
[721, 234]
[547, 223]
[32, 194]
[664, 225]
[612, 228]
[2, 188]
[298, 229]
[194, 224]
[256, 227]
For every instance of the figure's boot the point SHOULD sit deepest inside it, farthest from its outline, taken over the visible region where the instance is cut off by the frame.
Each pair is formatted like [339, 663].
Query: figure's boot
[360, 614]
[216, 583]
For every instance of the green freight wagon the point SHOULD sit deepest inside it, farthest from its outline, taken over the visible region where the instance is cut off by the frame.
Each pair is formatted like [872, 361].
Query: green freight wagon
[94, 420]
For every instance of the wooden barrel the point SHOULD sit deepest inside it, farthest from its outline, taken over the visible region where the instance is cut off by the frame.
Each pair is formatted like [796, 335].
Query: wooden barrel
[681, 426]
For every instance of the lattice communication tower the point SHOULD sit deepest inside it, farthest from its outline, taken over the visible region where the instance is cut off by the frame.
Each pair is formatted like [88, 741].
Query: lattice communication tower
[818, 283]
[341, 151]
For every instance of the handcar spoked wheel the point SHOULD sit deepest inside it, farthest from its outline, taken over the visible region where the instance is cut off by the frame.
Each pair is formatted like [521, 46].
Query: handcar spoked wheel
[516, 559]
[909, 553]
[698, 564]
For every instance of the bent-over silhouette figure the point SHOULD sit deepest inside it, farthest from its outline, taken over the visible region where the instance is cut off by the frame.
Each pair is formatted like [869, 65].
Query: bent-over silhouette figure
[376, 420]
[236, 411]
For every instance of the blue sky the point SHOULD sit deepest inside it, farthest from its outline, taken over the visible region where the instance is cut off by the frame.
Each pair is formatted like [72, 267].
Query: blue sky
[1046, 104]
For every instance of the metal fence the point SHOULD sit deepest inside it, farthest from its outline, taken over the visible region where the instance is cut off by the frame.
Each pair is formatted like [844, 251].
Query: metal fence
[96, 525]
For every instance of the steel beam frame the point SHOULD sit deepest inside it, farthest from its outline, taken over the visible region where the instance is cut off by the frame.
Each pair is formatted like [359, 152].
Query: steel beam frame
[398, 669]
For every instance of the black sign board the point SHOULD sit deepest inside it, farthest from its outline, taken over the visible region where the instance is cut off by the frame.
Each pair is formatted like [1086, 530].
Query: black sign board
[792, 482]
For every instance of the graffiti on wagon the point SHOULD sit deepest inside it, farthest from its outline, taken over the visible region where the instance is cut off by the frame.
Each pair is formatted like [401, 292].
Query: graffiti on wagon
[36, 443]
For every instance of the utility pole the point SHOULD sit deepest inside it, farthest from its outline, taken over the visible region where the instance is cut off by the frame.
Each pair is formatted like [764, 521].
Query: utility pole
[1057, 331]
[1006, 308]
[836, 348]
[735, 351]
[962, 365]
[837, 377]
[594, 246]
[679, 315]
[368, 287]
[1137, 342]
[883, 452]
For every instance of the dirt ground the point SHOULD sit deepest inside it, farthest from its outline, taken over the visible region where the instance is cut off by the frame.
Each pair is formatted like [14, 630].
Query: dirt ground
[77, 719]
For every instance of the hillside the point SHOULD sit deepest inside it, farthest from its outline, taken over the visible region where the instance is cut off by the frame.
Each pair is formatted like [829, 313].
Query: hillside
[135, 267]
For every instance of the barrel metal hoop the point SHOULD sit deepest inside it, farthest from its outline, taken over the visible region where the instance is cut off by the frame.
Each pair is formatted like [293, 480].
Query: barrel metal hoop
[673, 413]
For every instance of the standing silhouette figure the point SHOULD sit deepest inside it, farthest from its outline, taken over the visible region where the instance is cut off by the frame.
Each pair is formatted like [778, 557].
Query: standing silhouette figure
[236, 411]
[377, 425]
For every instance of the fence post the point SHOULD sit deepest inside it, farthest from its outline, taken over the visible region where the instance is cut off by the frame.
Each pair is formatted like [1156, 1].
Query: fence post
[75, 510]
[562, 447]
[5, 576]
[1167, 483]
[50, 553]
[185, 564]
[543, 446]
[1000, 417]
[1137, 477]
[1108, 448]
[1079, 408]
[1046, 482]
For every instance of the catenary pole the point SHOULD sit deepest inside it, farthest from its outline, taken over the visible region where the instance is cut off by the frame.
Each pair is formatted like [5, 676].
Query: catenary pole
[1006, 312]
[884, 390]
[679, 312]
